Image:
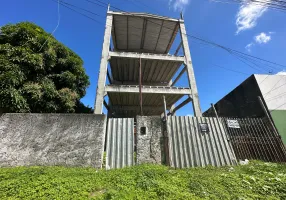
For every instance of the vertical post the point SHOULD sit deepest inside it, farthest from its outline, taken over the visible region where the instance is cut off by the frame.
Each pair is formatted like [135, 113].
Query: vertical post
[214, 110]
[172, 106]
[190, 71]
[103, 66]
[279, 141]
[140, 87]
[267, 115]
[165, 134]
[165, 108]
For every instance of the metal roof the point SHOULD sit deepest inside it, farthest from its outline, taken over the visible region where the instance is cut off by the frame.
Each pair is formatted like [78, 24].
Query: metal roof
[139, 32]
[156, 72]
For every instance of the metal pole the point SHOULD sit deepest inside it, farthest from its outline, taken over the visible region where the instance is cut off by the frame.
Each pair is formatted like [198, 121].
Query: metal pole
[214, 110]
[278, 136]
[140, 88]
[266, 113]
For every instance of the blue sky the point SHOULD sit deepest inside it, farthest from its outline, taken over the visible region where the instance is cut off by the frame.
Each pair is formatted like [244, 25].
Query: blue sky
[248, 28]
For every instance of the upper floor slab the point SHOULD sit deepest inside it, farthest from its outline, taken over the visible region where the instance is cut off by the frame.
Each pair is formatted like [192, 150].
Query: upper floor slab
[143, 32]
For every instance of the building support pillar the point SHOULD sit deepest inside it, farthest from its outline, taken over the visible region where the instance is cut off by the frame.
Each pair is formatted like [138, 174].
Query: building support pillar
[172, 106]
[98, 106]
[140, 88]
[190, 71]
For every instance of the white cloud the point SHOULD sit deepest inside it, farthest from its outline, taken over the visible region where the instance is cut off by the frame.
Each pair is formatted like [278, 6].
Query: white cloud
[248, 47]
[248, 14]
[262, 38]
[178, 5]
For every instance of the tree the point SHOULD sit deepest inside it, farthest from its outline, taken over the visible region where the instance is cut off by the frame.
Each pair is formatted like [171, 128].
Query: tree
[38, 73]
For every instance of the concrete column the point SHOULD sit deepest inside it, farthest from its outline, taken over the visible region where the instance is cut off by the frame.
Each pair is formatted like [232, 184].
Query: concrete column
[190, 71]
[103, 66]
[172, 106]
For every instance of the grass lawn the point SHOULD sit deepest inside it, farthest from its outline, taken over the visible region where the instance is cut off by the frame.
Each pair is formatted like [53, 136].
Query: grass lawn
[258, 180]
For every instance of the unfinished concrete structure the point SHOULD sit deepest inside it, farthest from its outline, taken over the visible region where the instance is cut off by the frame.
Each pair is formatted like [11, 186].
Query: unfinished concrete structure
[141, 70]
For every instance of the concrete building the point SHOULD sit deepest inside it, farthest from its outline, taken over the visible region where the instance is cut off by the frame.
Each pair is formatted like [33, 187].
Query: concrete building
[136, 69]
[243, 100]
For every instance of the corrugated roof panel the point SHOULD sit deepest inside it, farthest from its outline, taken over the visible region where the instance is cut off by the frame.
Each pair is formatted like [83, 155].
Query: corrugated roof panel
[135, 30]
[143, 33]
[120, 29]
[153, 71]
[168, 30]
[152, 34]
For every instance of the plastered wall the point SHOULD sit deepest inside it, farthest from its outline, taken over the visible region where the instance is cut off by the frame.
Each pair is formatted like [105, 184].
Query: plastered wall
[52, 139]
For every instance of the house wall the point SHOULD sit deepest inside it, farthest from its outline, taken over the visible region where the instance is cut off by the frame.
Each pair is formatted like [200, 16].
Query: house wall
[273, 89]
[240, 102]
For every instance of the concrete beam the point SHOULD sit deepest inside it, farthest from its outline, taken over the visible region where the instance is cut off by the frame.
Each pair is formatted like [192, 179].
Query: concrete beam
[136, 83]
[179, 76]
[178, 49]
[106, 105]
[144, 15]
[147, 56]
[110, 79]
[137, 108]
[147, 89]
[180, 105]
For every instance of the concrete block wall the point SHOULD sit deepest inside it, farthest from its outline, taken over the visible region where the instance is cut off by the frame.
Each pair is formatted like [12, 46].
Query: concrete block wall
[150, 148]
[52, 139]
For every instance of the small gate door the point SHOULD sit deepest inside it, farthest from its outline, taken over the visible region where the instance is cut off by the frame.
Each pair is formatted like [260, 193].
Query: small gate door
[120, 143]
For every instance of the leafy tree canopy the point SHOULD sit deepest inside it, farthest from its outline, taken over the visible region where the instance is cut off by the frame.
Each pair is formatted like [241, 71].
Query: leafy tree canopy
[36, 77]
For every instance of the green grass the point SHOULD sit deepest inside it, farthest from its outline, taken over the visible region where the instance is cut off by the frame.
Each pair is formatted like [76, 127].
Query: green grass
[258, 180]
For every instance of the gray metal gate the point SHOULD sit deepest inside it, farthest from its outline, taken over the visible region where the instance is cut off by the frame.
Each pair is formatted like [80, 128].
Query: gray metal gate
[198, 141]
[255, 138]
[120, 143]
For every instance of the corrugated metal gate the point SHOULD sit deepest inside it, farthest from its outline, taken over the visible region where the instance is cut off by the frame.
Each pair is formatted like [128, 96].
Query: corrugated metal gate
[254, 138]
[120, 143]
[198, 141]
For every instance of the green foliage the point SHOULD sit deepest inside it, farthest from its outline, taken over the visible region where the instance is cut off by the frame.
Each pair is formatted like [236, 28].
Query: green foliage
[258, 180]
[35, 79]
